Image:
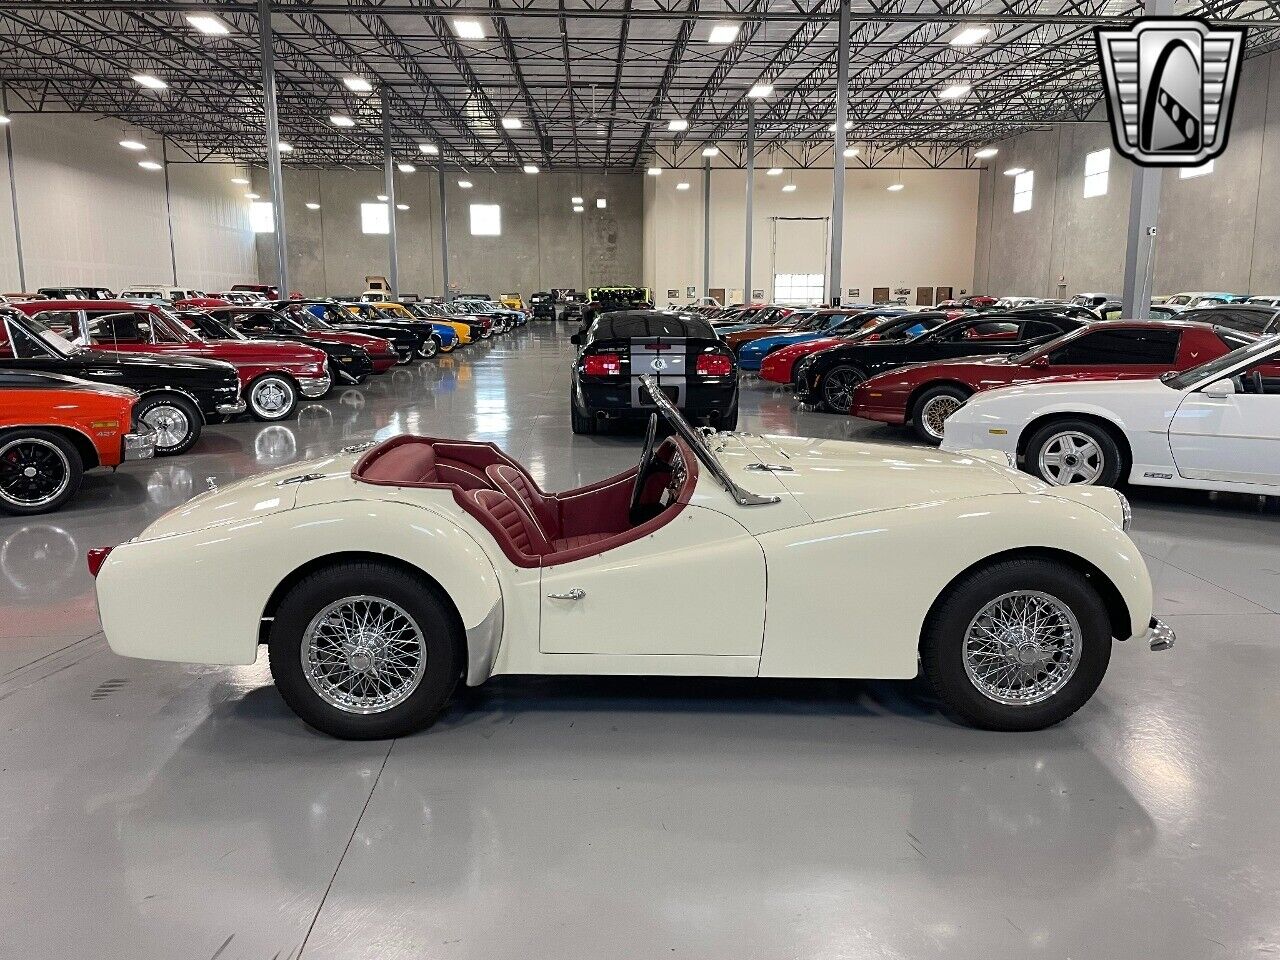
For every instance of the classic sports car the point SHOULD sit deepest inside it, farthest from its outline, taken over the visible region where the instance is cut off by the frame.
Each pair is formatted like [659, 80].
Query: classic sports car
[1213, 427]
[388, 312]
[54, 428]
[380, 577]
[1262, 319]
[272, 375]
[824, 323]
[349, 358]
[694, 369]
[780, 365]
[828, 378]
[328, 316]
[179, 394]
[926, 394]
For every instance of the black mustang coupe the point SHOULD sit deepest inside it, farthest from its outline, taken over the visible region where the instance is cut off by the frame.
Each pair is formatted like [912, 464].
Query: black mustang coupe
[828, 378]
[695, 369]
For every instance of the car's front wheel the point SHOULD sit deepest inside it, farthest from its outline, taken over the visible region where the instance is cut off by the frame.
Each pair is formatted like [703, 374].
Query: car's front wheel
[448, 347]
[272, 397]
[429, 347]
[1074, 451]
[1018, 645]
[175, 420]
[365, 651]
[838, 387]
[930, 411]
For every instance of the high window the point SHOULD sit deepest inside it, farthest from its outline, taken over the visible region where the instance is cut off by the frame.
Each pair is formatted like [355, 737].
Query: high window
[486, 220]
[1097, 166]
[1024, 185]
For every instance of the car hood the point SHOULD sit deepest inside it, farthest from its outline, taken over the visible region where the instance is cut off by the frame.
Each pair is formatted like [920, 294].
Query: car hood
[838, 478]
[216, 369]
[258, 351]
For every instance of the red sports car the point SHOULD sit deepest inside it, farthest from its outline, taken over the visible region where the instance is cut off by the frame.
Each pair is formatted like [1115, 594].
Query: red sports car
[927, 393]
[272, 374]
[779, 366]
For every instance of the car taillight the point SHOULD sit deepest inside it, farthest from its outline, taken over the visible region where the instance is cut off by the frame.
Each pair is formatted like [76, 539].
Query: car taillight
[97, 557]
[601, 364]
[713, 365]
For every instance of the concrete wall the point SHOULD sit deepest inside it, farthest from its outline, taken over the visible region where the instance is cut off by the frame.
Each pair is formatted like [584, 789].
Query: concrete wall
[1217, 232]
[543, 244]
[89, 214]
[922, 235]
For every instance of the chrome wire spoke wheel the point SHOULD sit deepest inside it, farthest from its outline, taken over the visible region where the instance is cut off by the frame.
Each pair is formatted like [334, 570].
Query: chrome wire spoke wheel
[1071, 457]
[363, 654]
[1022, 648]
[33, 472]
[838, 390]
[936, 411]
[170, 424]
[271, 398]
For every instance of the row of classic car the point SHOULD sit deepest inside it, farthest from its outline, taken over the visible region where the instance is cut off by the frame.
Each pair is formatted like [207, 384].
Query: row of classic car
[182, 367]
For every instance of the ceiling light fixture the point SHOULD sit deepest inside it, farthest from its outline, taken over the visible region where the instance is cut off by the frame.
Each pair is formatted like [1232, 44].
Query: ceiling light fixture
[578, 208]
[760, 90]
[530, 168]
[429, 148]
[357, 84]
[402, 206]
[313, 206]
[850, 152]
[406, 168]
[575, 199]
[678, 124]
[894, 187]
[512, 123]
[240, 181]
[4, 119]
[285, 147]
[788, 188]
[382, 198]
[654, 171]
[341, 120]
[150, 82]
[208, 24]
[848, 125]
[986, 153]
[252, 196]
[773, 172]
[601, 203]
[465, 184]
[711, 151]
[954, 92]
[133, 145]
[468, 28]
[682, 185]
[970, 36]
[150, 165]
[723, 33]
[1014, 171]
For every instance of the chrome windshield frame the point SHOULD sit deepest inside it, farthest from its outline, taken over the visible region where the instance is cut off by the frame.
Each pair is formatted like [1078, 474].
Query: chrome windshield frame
[697, 442]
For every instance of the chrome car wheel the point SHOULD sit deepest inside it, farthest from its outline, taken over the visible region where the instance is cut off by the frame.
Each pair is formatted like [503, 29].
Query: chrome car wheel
[1022, 648]
[935, 412]
[33, 473]
[1071, 457]
[429, 348]
[170, 423]
[363, 654]
[271, 398]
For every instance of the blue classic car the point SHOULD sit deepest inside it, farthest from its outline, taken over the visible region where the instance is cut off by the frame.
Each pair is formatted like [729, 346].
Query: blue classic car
[752, 354]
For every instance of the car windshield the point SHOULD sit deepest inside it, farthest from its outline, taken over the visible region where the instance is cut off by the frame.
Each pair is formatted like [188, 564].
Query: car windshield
[217, 329]
[1257, 350]
[697, 440]
[48, 336]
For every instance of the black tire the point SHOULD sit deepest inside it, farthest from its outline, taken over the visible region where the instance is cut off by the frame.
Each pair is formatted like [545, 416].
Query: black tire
[942, 646]
[40, 470]
[168, 413]
[728, 420]
[448, 348]
[583, 425]
[1101, 464]
[932, 403]
[337, 375]
[441, 644]
[272, 397]
[837, 385]
[429, 347]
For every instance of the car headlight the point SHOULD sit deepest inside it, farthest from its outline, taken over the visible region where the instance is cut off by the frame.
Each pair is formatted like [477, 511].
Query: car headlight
[1126, 511]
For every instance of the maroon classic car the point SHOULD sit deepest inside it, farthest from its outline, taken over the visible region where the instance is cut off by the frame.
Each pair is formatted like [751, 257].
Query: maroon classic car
[272, 374]
[260, 321]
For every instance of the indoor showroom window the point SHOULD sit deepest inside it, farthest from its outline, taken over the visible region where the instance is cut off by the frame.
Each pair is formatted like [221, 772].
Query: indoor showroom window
[798, 287]
[1186, 173]
[1024, 185]
[374, 218]
[262, 217]
[486, 220]
[1096, 167]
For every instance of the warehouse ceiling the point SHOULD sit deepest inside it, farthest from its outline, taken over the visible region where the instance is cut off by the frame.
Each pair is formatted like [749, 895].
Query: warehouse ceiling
[593, 83]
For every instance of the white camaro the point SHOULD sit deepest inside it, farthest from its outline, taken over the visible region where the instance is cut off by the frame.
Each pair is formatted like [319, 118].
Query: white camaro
[380, 577]
[1213, 427]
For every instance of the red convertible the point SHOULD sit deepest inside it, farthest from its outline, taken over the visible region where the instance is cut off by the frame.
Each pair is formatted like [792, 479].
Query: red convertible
[927, 393]
[272, 374]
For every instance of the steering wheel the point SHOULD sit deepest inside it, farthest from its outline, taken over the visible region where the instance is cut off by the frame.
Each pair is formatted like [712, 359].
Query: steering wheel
[636, 512]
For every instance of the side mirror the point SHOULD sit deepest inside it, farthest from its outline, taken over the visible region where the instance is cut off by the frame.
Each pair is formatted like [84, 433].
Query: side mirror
[576, 339]
[1219, 388]
[1040, 362]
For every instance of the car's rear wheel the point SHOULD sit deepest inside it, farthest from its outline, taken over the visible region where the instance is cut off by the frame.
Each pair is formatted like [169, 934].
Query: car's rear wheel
[448, 347]
[838, 387]
[1074, 451]
[582, 424]
[175, 420]
[39, 471]
[429, 347]
[365, 651]
[272, 397]
[931, 409]
[1018, 645]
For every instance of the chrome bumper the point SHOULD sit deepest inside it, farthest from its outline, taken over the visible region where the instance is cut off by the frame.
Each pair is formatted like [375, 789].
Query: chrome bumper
[1159, 635]
[230, 409]
[138, 446]
[313, 387]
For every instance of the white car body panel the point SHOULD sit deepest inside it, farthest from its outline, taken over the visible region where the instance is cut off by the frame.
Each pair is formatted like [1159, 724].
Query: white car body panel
[833, 580]
[1178, 438]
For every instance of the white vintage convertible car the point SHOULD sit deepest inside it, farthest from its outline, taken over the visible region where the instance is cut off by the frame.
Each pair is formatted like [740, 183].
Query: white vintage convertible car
[381, 577]
[1213, 427]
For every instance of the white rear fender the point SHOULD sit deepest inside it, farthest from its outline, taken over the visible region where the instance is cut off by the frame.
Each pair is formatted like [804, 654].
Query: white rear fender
[201, 596]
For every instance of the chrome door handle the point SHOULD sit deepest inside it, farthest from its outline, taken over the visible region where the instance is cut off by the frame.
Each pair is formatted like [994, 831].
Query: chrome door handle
[574, 594]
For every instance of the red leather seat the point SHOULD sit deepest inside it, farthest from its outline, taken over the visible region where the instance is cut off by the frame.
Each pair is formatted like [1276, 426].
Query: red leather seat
[541, 510]
[406, 463]
[509, 522]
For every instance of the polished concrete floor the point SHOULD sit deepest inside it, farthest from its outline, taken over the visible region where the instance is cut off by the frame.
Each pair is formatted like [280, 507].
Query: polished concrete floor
[154, 810]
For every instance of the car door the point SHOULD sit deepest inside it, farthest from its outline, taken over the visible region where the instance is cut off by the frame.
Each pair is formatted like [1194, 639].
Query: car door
[972, 338]
[694, 587]
[1134, 354]
[1232, 438]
